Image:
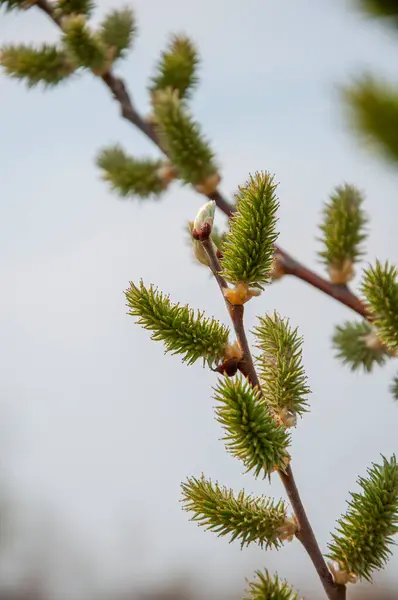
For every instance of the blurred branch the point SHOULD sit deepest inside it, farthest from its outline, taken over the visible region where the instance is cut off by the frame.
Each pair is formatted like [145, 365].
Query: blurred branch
[288, 264]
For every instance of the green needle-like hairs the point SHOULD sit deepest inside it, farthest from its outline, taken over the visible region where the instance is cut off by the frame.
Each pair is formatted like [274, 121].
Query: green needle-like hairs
[177, 68]
[74, 7]
[280, 366]
[252, 434]
[248, 246]
[118, 31]
[358, 346]
[97, 50]
[84, 46]
[265, 587]
[81, 46]
[129, 176]
[181, 331]
[47, 64]
[260, 520]
[380, 288]
[373, 111]
[343, 232]
[10, 5]
[181, 138]
[364, 534]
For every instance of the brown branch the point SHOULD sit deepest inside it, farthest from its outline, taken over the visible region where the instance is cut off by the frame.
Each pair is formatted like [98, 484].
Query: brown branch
[215, 267]
[128, 112]
[307, 537]
[339, 292]
[290, 266]
[305, 533]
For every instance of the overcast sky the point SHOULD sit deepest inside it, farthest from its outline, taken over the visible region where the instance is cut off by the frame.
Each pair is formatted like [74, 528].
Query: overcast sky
[98, 427]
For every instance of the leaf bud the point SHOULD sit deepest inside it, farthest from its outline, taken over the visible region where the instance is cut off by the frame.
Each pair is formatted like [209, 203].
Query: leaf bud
[203, 223]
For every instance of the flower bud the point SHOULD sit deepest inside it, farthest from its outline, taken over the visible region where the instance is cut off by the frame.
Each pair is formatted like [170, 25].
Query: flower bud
[205, 217]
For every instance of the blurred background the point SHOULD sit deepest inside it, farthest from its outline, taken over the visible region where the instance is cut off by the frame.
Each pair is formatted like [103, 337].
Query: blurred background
[97, 427]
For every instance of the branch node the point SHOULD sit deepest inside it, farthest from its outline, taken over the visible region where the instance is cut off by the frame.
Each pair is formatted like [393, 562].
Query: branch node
[209, 185]
[340, 576]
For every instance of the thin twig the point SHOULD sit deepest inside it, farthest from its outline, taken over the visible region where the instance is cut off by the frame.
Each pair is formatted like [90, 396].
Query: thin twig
[128, 112]
[290, 265]
[307, 537]
[339, 292]
[215, 266]
[305, 533]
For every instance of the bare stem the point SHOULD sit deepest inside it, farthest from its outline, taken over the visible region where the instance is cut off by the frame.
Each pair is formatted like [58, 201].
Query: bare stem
[289, 264]
[215, 266]
[307, 537]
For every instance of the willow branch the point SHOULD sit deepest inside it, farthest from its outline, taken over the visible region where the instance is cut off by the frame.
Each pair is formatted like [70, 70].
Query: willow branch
[290, 265]
[305, 532]
[341, 293]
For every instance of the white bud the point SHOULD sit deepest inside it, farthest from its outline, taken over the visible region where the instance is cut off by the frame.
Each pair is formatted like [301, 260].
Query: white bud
[205, 216]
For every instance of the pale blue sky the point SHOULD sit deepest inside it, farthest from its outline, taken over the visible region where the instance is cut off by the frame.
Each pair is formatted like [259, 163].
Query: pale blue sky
[100, 427]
